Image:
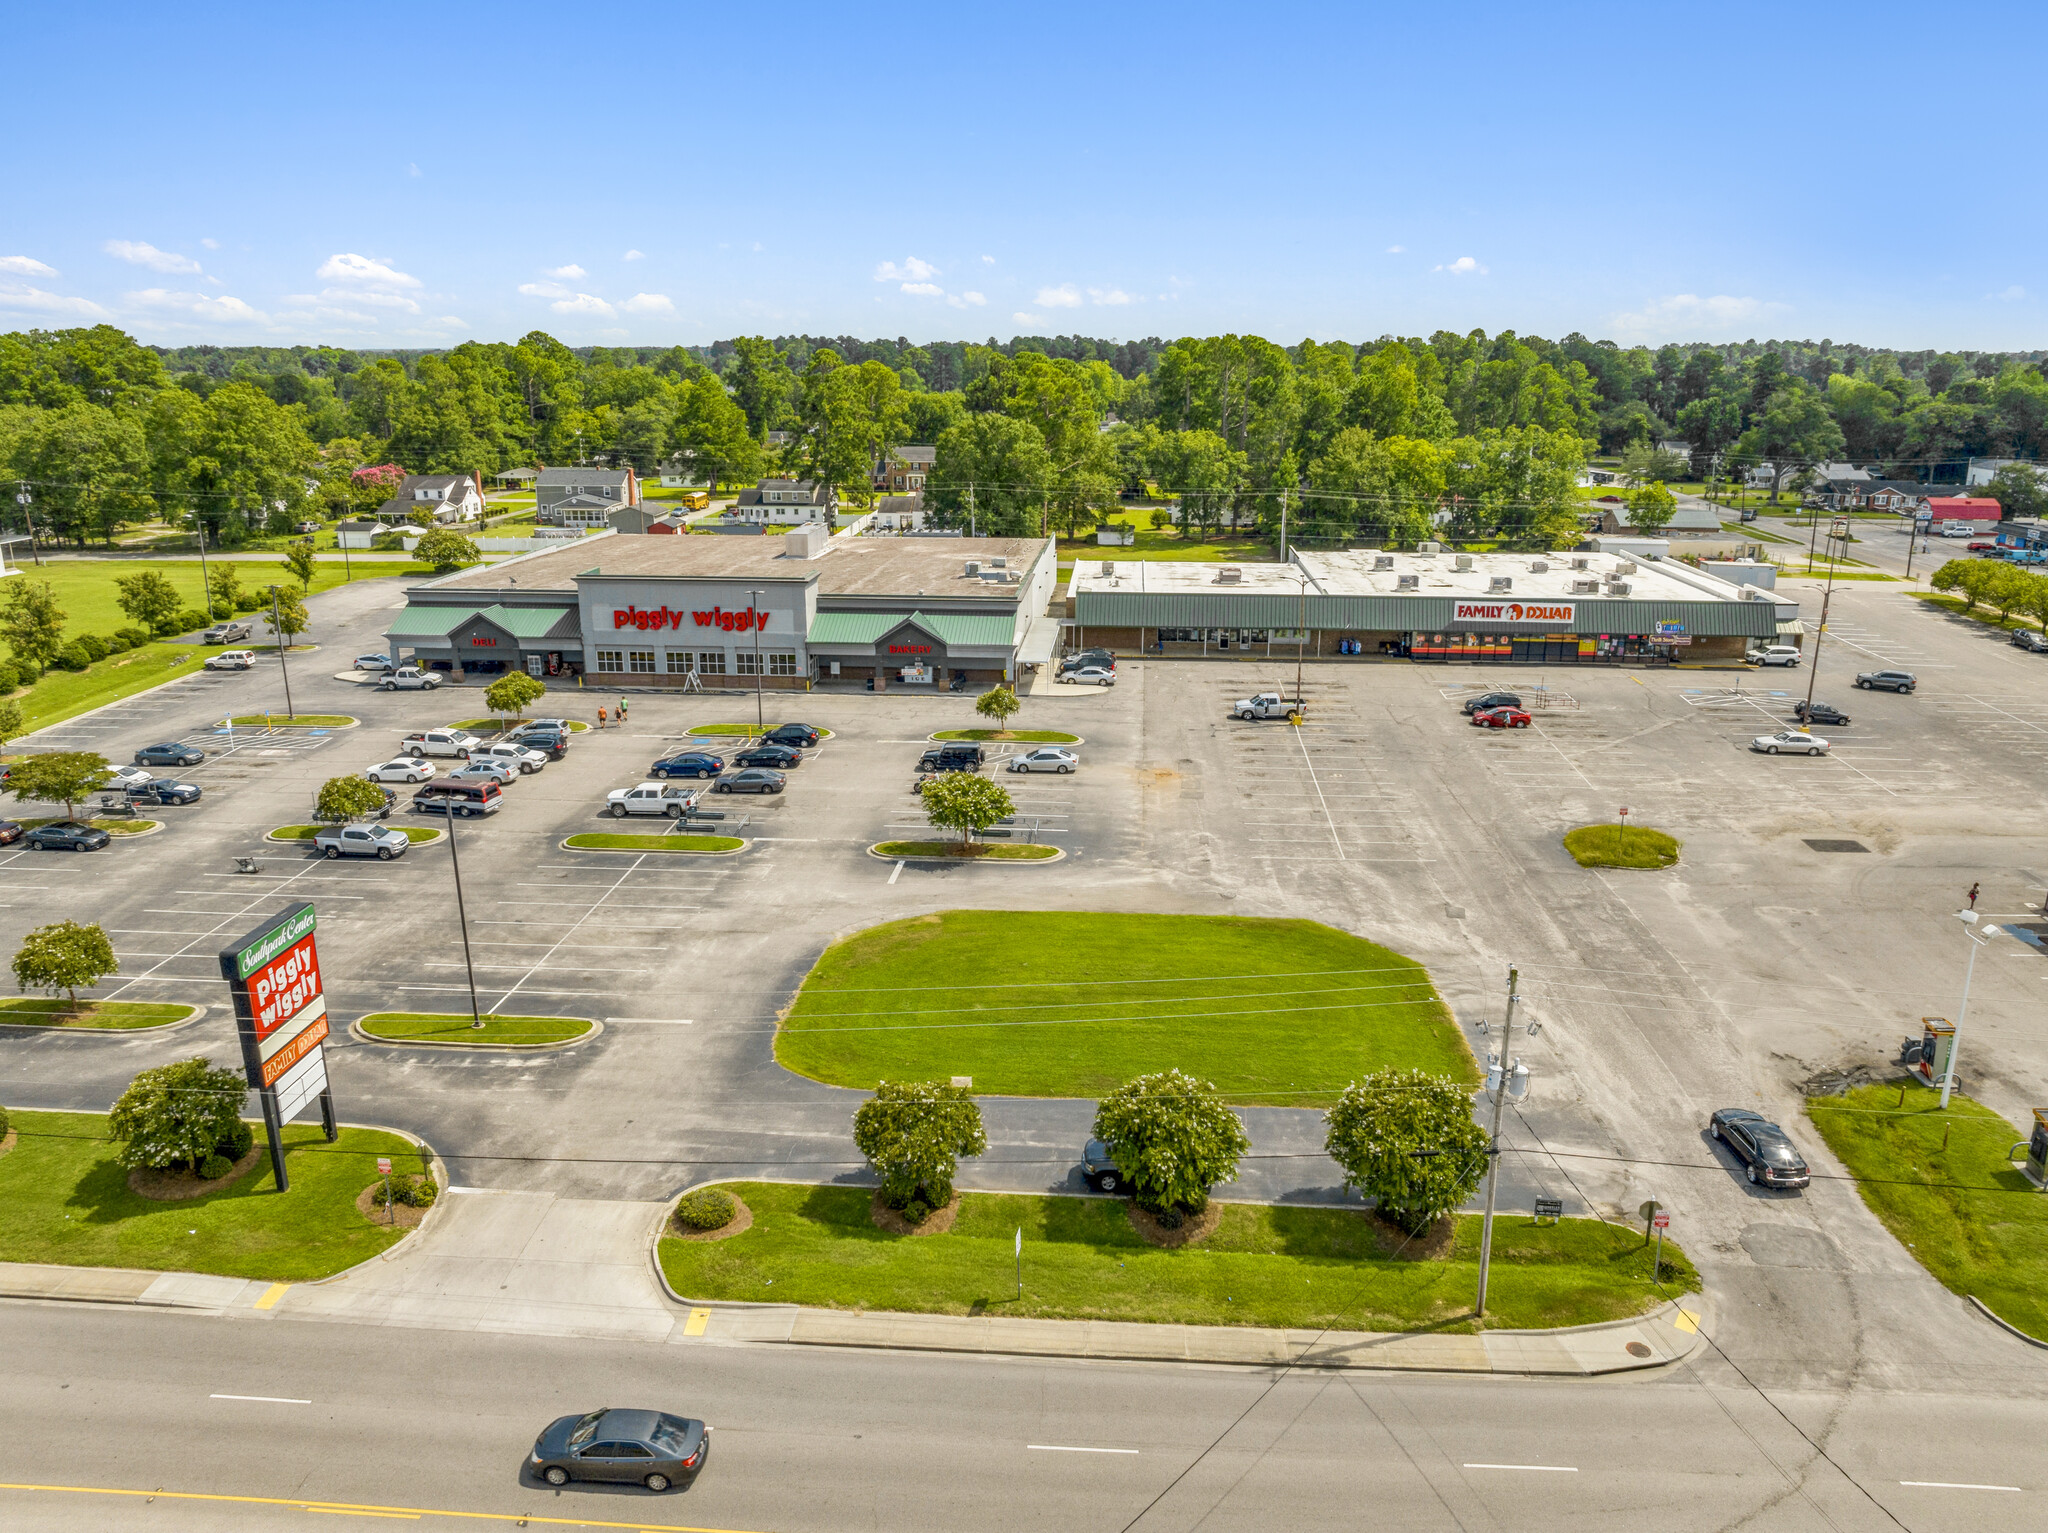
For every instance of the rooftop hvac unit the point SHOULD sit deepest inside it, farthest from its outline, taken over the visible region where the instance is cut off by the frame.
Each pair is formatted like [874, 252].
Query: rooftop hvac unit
[1407, 582]
[1108, 568]
[1626, 567]
[1539, 566]
[1461, 561]
[1229, 575]
[999, 561]
[1382, 561]
[1617, 588]
[973, 567]
[1429, 546]
[1585, 587]
[1581, 562]
[1501, 583]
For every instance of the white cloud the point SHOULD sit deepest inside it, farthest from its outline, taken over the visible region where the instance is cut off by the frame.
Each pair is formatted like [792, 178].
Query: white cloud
[1688, 315]
[211, 244]
[1065, 296]
[371, 297]
[1397, 250]
[570, 272]
[1027, 319]
[1464, 266]
[544, 290]
[988, 260]
[412, 170]
[582, 303]
[968, 300]
[26, 266]
[632, 255]
[2013, 294]
[1113, 295]
[141, 253]
[757, 244]
[912, 270]
[204, 305]
[924, 289]
[20, 295]
[648, 303]
[363, 272]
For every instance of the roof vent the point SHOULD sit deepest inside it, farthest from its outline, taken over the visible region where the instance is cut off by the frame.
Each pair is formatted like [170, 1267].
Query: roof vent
[1461, 561]
[1501, 583]
[1407, 582]
[1382, 561]
[1229, 575]
[1108, 568]
[1617, 588]
[1626, 567]
[1539, 566]
[1581, 562]
[973, 566]
[1429, 546]
[1585, 587]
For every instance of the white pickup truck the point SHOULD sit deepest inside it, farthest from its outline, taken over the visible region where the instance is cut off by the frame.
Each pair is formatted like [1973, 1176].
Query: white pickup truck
[671, 799]
[440, 742]
[410, 679]
[1268, 705]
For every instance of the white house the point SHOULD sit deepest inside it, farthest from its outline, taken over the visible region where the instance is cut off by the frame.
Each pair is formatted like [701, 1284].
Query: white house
[451, 497]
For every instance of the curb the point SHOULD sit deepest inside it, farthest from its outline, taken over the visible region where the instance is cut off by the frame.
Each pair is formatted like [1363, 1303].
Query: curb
[198, 1015]
[937, 738]
[355, 1030]
[1059, 855]
[353, 723]
[2005, 1325]
[307, 841]
[642, 851]
[439, 1171]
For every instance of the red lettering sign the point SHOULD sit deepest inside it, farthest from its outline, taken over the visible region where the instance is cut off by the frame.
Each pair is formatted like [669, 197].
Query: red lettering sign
[276, 1065]
[484, 640]
[1513, 612]
[645, 618]
[284, 987]
[910, 649]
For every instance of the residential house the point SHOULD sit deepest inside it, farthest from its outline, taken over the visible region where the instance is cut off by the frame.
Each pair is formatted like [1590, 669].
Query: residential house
[898, 513]
[1698, 520]
[906, 470]
[1981, 469]
[1900, 496]
[450, 497]
[583, 497]
[1837, 486]
[786, 503]
[645, 518]
[360, 533]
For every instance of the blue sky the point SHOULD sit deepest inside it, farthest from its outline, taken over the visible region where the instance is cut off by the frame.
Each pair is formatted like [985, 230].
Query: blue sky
[425, 173]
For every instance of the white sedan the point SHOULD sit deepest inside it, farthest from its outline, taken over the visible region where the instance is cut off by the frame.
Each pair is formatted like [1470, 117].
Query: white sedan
[404, 769]
[1047, 758]
[1790, 740]
[127, 776]
[1089, 675]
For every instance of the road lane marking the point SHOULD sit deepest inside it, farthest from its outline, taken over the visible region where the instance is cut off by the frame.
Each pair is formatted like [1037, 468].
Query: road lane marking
[1532, 1468]
[350, 1511]
[1062, 1448]
[366, 1509]
[896, 872]
[271, 1295]
[1946, 1485]
[262, 1399]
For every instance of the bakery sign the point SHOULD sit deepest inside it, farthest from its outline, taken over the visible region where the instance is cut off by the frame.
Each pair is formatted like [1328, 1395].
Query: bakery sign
[280, 1002]
[1548, 613]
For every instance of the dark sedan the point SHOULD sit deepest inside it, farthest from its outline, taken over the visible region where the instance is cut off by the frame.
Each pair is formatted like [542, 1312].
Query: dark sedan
[1818, 713]
[802, 736]
[10, 832]
[162, 790]
[1487, 701]
[171, 753]
[778, 756]
[1763, 1148]
[752, 780]
[690, 764]
[66, 836]
[622, 1447]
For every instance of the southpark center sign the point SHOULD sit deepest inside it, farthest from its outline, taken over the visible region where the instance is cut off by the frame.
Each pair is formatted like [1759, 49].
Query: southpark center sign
[280, 1000]
[655, 618]
[1559, 613]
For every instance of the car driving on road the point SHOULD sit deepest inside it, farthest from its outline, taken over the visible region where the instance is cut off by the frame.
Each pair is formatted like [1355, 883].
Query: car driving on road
[622, 1447]
[1766, 1151]
[1790, 742]
[700, 764]
[752, 780]
[404, 769]
[1046, 758]
[1887, 681]
[170, 753]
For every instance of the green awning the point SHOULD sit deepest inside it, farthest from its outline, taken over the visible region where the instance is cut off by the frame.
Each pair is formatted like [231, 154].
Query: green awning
[520, 622]
[428, 622]
[967, 630]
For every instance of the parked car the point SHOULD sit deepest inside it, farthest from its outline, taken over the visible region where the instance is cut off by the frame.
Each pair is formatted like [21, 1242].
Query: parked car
[1819, 713]
[486, 768]
[383, 841]
[409, 678]
[555, 726]
[1776, 654]
[121, 776]
[1268, 705]
[232, 660]
[1098, 1168]
[1790, 741]
[1983, 546]
[441, 742]
[652, 798]
[951, 758]
[690, 764]
[781, 757]
[404, 769]
[524, 758]
[1501, 718]
[225, 633]
[752, 780]
[162, 790]
[802, 736]
[172, 753]
[1489, 700]
[648, 1448]
[1046, 758]
[1087, 657]
[66, 836]
[1958, 532]
[11, 831]
[375, 663]
[2029, 640]
[1887, 681]
[1089, 676]
[554, 744]
[465, 797]
[1766, 1151]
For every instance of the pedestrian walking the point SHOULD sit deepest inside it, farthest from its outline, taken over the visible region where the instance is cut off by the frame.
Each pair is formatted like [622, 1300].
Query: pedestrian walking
[622, 710]
[1973, 896]
[600, 717]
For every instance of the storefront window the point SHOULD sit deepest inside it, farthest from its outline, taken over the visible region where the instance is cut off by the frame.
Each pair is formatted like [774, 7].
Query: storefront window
[711, 662]
[611, 660]
[642, 661]
[781, 664]
[678, 661]
[749, 663]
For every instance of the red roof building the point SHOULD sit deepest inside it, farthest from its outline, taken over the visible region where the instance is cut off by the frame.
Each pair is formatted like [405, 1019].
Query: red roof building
[1962, 508]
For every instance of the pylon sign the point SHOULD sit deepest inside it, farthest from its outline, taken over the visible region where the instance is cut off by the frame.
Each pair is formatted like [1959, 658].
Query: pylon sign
[280, 1003]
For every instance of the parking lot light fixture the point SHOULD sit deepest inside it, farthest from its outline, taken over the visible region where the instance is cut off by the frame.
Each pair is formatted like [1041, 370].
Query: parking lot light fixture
[277, 632]
[1969, 919]
[447, 803]
[760, 717]
[1839, 529]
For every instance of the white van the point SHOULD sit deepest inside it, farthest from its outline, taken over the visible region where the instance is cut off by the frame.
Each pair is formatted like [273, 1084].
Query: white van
[231, 660]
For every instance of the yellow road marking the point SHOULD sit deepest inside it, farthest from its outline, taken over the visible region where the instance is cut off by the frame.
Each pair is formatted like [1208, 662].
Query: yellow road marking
[347, 1511]
[1687, 1322]
[369, 1510]
[694, 1326]
[271, 1295]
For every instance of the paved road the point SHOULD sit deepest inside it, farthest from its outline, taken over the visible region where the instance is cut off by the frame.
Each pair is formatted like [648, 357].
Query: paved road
[434, 1425]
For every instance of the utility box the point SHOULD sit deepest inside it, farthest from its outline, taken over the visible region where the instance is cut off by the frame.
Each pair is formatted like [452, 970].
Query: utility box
[1937, 1049]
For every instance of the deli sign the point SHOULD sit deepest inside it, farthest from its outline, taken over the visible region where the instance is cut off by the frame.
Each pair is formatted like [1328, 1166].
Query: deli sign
[1564, 613]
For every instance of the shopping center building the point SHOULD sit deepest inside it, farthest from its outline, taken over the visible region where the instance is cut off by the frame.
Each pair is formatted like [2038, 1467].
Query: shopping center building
[1429, 605]
[707, 611]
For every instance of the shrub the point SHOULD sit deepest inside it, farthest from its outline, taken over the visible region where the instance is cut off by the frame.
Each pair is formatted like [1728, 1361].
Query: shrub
[136, 637]
[9, 677]
[708, 1208]
[177, 1114]
[116, 645]
[214, 1167]
[27, 672]
[223, 609]
[251, 601]
[93, 645]
[1173, 1138]
[913, 1133]
[188, 621]
[3, 1122]
[235, 1144]
[406, 1192]
[74, 656]
[916, 1211]
[1379, 1125]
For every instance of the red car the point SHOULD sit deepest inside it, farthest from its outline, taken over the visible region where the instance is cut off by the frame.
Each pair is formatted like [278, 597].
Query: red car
[10, 831]
[1983, 548]
[1501, 718]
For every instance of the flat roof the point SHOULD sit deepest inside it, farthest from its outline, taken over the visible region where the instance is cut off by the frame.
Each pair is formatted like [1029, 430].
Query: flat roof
[849, 566]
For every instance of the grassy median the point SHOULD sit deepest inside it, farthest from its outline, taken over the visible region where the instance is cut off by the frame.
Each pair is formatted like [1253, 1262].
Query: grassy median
[292, 721]
[64, 1199]
[1941, 1183]
[749, 730]
[1023, 736]
[1038, 1003]
[456, 1027]
[973, 851]
[1621, 846]
[601, 841]
[117, 1016]
[1289, 1267]
[413, 833]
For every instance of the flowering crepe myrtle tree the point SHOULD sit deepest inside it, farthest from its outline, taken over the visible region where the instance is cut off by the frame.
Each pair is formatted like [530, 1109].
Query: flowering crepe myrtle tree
[1407, 1140]
[913, 1133]
[178, 1114]
[1172, 1138]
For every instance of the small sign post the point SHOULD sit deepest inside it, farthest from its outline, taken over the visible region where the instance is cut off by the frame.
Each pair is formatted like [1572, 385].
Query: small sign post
[1549, 1208]
[1624, 830]
[1662, 1221]
[1020, 1262]
[384, 1170]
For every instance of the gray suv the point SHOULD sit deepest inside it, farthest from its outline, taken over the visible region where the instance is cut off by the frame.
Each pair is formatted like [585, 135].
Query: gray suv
[1098, 1169]
[1887, 681]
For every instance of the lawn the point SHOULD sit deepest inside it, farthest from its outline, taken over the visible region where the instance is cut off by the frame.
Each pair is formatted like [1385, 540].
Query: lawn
[64, 1198]
[599, 841]
[413, 833]
[1303, 1268]
[493, 724]
[454, 1027]
[1616, 846]
[979, 851]
[1042, 1003]
[1942, 1184]
[1025, 736]
[62, 694]
[91, 602]
[747, 730]
[1955, 607]
[293, 721]
[35, 1011]
[1171, 545]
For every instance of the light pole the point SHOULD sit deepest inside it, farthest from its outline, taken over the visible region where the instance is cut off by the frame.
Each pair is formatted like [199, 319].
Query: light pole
[447, 804]
[1839, 528]
[1504, 1079]
[760, 717]
[283, 644]
[1968, 918]
[205, 580]
[23, 499]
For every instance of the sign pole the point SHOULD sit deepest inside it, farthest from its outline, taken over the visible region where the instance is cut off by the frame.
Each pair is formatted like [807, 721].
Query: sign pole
[273, 1126]
[1500, 1096]
[1020, 1263]
[384, 1170]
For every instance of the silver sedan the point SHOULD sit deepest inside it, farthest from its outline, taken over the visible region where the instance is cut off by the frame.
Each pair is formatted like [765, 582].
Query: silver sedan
[1047, 758]
[1790, 742]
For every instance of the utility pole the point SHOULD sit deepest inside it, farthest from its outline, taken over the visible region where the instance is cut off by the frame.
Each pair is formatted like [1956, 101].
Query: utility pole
[760, 717]
[461, 916]
[23, 499]
[206, 596]
[970, 512]
[1839, 527]
[283, 643]
[1502, 1080]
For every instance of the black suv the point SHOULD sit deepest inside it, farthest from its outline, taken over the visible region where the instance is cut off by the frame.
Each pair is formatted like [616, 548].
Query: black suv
[953, 756]
[1888, 681]
[800, 735]
[781, 757]
[1080, 659]
[1098, 1169]
[1762, 1147]
[1490, 700]
[1818, 713]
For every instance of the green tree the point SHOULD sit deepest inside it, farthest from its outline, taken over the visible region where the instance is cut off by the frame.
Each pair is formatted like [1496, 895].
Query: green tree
[91, 467]
[1964, 575]
[1651, 507]
[61, 777]
[2020, 490]
[1793, 429]
[31, 621]
[1406, 1139]
[848, 417]
[64, 956]
[179, 1114]
[1644, 464]
[247, 459]
[300, 563]
[508, 696]
[1387, 487]
[445, 551]
[286, 616]
[224, 581]
[1173, 1139]
[966, 802]
[12, 725]
[761, 383]
[1204, 472]
[991, 474]
[343, 799]
[913, 1134]
[998, 703]
[715, 435]
[151, 599]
